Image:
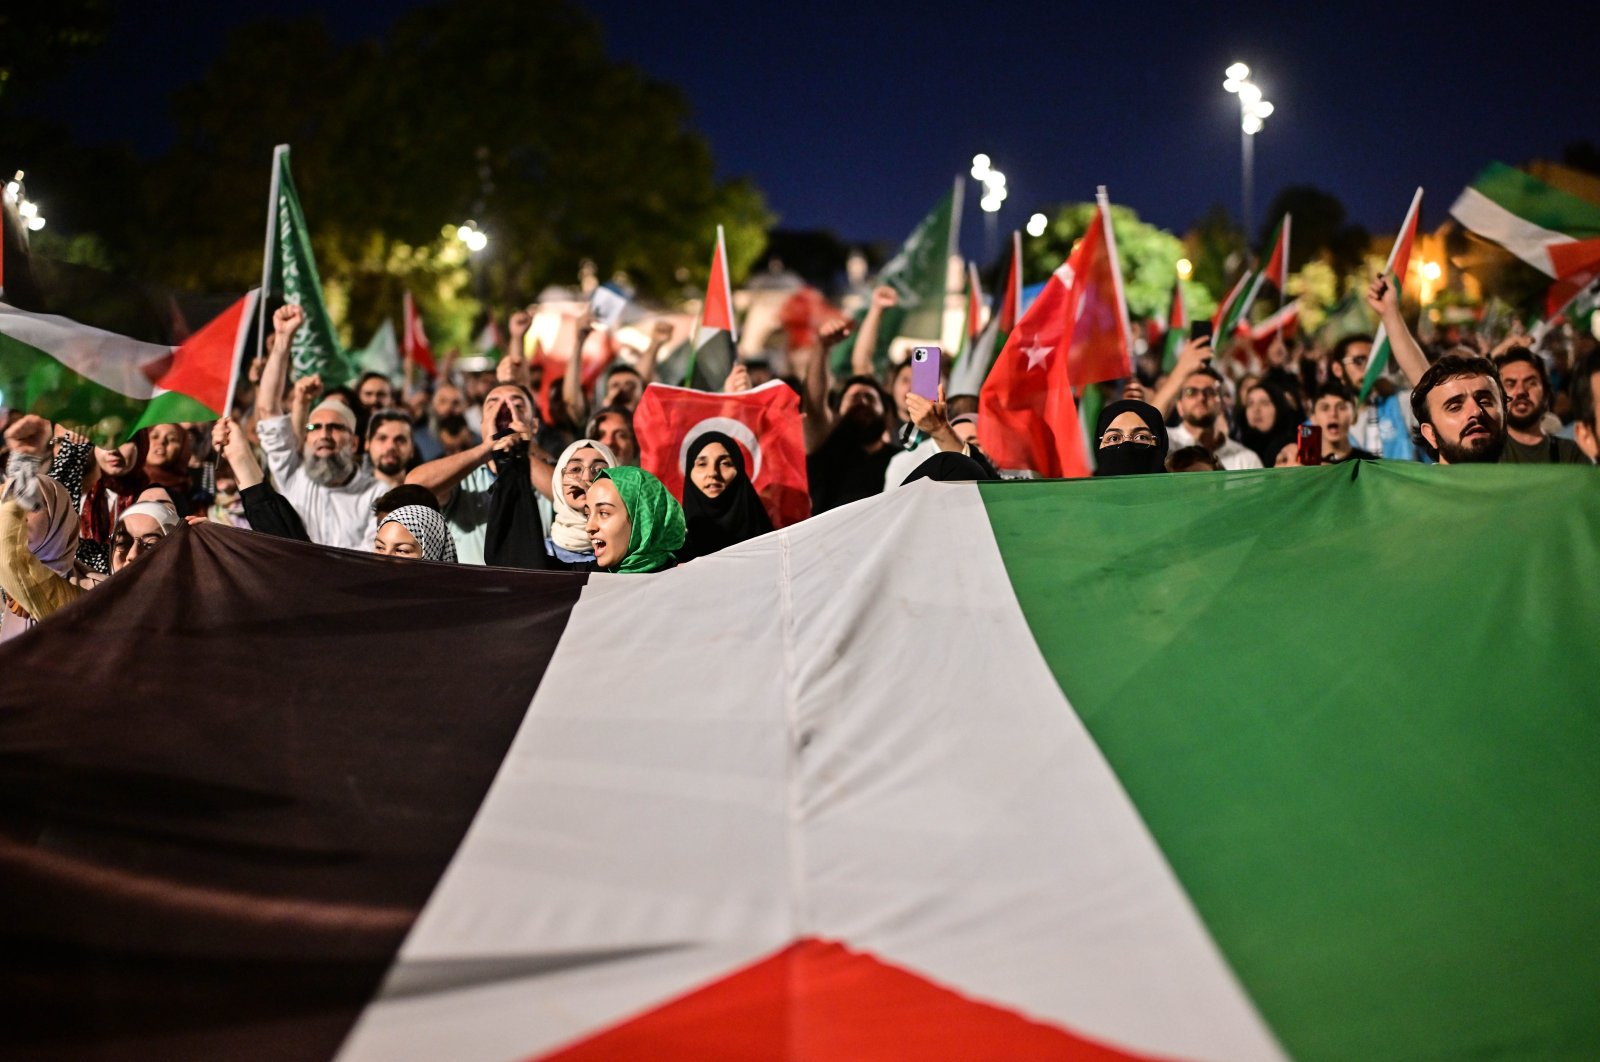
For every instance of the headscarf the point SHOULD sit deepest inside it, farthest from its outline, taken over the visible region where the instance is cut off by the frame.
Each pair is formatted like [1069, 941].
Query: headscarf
[111, 496]
[165, 516]
[949, 467]
[566, 530]
[728, 519]
[657, 518]
[57, 546]
[428, 528]
[1129, 458]
[1286, 421]
[175, 477]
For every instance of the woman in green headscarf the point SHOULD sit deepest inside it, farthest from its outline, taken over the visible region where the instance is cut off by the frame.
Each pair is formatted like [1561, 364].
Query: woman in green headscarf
[635, 524]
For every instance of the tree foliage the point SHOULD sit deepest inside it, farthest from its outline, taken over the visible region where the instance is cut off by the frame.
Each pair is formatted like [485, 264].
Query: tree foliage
[1320, 231]
[1148, 256]
[507, 112]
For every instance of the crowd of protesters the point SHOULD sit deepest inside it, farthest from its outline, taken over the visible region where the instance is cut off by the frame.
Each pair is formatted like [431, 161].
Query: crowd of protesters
[474, 470]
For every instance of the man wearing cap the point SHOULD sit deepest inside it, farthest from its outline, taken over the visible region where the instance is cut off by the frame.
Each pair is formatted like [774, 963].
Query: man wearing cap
[322, 479]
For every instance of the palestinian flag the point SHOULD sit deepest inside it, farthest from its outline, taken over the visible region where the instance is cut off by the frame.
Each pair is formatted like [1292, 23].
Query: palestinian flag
[289, 275]
[1396, 267]
[764, 421]
[1284, 323]
[972, 314]
[1524, 214]
[968, 374]
[1230, 311]
[382, 352]
[1275, 271]
[822, 806]
[1575, 292]
[919, 272]
[108, 386]
[1177, 329]
[717, 337]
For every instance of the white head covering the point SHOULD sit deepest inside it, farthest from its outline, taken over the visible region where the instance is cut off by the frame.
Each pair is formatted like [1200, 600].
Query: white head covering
[428, 528]
[56, 543]
[566, 530]
[162, 513]
[338, 409]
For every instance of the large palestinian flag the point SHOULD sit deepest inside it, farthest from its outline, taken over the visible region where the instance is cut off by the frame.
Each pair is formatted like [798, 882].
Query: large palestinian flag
[1219, 766]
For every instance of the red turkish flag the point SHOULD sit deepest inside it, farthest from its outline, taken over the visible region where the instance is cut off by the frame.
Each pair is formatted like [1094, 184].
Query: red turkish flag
[1075, 333]
[414, 341]
[765, 421]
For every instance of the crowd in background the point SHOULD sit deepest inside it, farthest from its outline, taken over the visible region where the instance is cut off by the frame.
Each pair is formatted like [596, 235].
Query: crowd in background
[498, 466]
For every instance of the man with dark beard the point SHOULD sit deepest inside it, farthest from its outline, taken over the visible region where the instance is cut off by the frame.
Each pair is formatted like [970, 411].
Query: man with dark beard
[323, 479]
[1527, 389]
[1460, 410]
[847, 434]
[445, 431]
[389, 446]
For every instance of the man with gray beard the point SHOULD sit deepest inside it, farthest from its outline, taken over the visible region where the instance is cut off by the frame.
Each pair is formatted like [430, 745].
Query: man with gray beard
[323, 478]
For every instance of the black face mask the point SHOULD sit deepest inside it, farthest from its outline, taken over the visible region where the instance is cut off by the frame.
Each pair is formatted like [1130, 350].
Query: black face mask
[1129, 459]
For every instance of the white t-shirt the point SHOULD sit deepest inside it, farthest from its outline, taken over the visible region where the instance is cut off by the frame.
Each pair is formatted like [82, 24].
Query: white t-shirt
[1230, 455]
[334, 516]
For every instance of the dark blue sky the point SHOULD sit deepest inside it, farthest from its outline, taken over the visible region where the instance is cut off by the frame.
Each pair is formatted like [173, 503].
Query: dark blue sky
[854, 116]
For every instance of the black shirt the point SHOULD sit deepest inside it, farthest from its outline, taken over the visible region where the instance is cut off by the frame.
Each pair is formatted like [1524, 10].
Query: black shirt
[842, 472]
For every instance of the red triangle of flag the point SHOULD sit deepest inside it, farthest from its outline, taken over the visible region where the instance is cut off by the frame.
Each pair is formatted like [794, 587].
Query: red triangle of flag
[718, 312]
[819, 1000]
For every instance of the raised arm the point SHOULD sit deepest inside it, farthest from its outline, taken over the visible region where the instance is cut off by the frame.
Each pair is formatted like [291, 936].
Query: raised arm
[443, 474]
[302, 398]
[513, 367]
[572, 383]
[275, 373]
[1384, 297]
[660, 333]
[883, 297]
[265, 509]
[818, 418]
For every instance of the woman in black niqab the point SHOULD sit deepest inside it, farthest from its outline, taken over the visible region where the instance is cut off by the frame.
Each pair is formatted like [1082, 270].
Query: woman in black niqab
[718, 518]
[1130, 439]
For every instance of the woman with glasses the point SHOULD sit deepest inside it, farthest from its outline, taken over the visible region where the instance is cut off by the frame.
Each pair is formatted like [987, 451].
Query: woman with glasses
[576, 469]
[1130, 440]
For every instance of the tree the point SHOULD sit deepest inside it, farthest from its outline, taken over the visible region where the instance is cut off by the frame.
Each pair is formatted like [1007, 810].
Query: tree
[1216, 250]
[507, 112]
[1320, 229]
[1148, 256]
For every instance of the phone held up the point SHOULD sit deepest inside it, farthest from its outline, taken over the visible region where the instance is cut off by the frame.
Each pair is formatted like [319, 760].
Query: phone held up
[926, 363]
[1310, 449]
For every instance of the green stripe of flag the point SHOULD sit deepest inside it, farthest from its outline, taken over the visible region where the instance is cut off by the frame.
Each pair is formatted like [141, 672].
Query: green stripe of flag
[1368, 748]
[33, 381]
[1535, 201]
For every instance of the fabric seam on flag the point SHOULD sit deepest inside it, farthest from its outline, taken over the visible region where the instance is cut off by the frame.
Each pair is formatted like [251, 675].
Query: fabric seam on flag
[799, 906]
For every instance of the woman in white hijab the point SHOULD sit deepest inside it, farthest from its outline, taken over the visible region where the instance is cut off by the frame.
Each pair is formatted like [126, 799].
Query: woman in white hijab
[577, 468]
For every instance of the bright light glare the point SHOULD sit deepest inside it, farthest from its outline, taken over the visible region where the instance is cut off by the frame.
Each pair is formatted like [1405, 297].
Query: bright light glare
[1237, 72]
[27, 209]
[1264, 109]
[1036, 225]
[1431, 270]
[1250, 93]
[989, 203]
[1185, 268]
[981, 167]
[12, 188]
[35, 224]
[1251, 124]
[1231, 85]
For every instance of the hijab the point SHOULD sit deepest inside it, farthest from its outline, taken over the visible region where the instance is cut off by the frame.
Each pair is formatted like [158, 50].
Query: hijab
[949, 467]
[56, 543]
[111, 496]
[1285, 422]
[657, 518]
[1130, 458]
[566, 530]
[428, 528]
[728, 519]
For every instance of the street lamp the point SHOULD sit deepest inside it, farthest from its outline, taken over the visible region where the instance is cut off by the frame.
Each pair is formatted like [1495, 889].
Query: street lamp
[475, 238]
[27, 210]
[1254, 109]
[994, 193]
[1037, 225]
[1185, 269]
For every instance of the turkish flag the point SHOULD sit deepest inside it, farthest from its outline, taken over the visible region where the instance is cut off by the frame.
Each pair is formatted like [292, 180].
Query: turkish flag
[414, 340]
[765, 421]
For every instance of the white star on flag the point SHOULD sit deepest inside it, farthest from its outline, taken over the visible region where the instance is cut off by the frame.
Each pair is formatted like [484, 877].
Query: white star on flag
[1036, 353]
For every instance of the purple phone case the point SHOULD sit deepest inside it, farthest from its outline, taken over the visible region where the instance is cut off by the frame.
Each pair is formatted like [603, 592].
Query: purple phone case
[925, 366]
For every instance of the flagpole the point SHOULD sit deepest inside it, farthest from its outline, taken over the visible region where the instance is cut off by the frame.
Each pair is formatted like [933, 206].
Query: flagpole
[252, 304]
[265, 290]
[1116, 273]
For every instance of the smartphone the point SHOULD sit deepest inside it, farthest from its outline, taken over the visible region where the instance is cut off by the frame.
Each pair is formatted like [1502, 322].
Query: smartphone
[926, 364]
[1200, 329]
[1310, 451]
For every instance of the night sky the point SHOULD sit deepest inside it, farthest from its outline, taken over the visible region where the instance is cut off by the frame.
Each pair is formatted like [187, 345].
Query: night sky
[854, 116]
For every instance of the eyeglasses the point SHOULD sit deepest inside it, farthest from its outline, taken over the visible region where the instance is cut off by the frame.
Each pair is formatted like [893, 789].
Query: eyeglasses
[334, 426]
[124, 542]
[1141, 436]
[1198, 392]
[575, 469]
